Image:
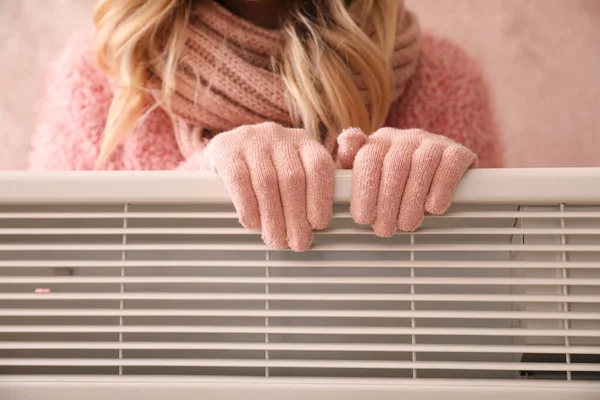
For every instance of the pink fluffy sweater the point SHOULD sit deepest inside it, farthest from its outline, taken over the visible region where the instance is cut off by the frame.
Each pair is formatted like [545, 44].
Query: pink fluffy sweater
[447, 95]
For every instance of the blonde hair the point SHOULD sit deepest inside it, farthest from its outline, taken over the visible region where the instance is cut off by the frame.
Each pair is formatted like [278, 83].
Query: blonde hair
[334, 50]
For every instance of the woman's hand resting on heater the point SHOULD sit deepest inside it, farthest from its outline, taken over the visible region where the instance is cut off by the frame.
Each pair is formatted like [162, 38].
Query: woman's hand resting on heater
[401, 174]
[280, 180]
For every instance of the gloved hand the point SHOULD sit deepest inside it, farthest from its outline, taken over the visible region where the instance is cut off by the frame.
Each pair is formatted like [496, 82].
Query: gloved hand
[401, 174]
[280, 180]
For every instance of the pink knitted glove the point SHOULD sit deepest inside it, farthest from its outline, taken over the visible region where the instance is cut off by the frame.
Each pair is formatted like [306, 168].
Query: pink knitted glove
[400, 174]
[280, 180]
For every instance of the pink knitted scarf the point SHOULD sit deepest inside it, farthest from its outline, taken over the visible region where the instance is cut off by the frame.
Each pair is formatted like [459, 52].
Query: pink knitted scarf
[225, 78]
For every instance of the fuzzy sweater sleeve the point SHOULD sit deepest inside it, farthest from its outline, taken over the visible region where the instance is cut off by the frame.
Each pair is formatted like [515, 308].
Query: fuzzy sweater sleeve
[449, 96]
[73, 113]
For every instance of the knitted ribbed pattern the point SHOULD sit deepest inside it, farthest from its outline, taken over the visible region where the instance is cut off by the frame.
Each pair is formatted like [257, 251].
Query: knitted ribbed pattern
[225, 78]
[447, 96]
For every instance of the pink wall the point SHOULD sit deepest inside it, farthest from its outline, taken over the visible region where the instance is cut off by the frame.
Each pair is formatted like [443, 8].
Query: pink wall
[542, 58]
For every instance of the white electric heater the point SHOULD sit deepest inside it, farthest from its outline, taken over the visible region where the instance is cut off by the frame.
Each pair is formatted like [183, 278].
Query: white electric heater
[144, 286]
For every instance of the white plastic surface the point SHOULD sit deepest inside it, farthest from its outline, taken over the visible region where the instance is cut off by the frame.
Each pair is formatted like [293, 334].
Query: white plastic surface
[539, 186]
[57, 388]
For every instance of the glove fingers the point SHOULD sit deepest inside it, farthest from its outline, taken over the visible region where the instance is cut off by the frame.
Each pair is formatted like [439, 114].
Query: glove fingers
[424, 165]
[456, 160]
[266, 187]
[237, 179]
[319, 170]
[350, 141]
[366, 181]
[292, 189]
[396, 168]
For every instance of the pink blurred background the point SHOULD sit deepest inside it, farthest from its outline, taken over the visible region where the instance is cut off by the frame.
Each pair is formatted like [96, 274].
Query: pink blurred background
[542, 58]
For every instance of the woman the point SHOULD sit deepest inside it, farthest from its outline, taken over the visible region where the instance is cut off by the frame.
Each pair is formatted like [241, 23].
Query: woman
[269, 94]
